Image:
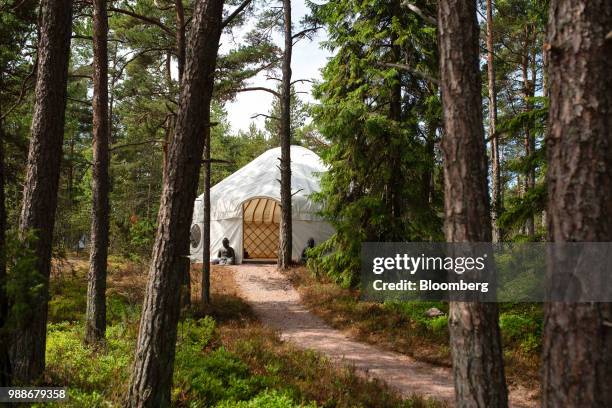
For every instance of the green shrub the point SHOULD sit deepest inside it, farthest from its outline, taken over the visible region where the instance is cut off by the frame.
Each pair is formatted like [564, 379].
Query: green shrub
[266, 399]
[68, 300]
[437, 324]
[119, 310]
[215, 376]
[24, 286]
[74, 364]
[523, 330]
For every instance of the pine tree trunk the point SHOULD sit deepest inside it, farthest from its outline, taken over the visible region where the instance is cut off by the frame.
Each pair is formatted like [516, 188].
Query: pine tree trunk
[286, 230]
[96, 288]
[474, 331]
[180, 38]
[181, 54]
[395, 114]
[151, 378]
[42, 178]
[5, 364]
[577, 348]
[528, 141]
[205, 295]
[495, 169]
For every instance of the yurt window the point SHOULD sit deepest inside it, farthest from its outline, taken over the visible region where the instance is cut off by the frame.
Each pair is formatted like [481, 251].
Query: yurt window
[261, 220]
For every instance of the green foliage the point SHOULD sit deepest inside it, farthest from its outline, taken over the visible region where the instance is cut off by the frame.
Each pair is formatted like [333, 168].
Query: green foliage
[216, 376]
[25, 286]
[520, 205]
[205, 374]
[142, 235]
[519, 28]
[381, 125]
[68, 301]
[267, 399]
[415, 312]
[71, 363]
[522, 329]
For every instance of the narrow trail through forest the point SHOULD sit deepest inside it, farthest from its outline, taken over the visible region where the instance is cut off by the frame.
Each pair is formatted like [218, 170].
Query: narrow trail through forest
[278, 305]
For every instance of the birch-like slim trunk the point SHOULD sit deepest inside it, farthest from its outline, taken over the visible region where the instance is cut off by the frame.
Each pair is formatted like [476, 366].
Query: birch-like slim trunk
[286, 227]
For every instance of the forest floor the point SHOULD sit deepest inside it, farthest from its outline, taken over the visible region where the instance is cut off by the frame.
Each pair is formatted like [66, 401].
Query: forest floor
[279, 305]
[225, 357]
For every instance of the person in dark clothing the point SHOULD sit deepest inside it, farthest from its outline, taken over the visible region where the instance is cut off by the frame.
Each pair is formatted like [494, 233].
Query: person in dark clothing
[309, 245]
[226, 255]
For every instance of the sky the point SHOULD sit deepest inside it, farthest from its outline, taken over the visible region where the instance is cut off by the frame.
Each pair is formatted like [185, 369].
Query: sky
[307, 60]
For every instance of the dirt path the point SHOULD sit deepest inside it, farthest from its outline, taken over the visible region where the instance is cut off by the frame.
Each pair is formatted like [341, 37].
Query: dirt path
[278, 305]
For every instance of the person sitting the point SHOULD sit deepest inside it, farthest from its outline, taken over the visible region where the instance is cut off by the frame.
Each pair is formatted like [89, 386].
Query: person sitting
[226, 255]
[309, 245]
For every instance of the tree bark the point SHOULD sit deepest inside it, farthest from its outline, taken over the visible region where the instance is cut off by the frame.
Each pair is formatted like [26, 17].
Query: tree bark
[96, 287]
[151, 378]
[495, 169]
[180, 38]
[474, 331]
[286, 227]
[577, 347]
[180, 52]
[42, 178]
[205, 295]
[395, 114]
[5, 364]
[528, 142]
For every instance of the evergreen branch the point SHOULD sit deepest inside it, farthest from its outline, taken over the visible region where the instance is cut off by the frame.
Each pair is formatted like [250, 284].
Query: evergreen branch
[22, 92]
[119, 72]
[140, 17]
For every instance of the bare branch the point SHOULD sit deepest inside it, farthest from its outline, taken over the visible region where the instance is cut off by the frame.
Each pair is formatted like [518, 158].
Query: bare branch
[82, 102]
[112, 149]
[305, 32]
[235, 13]
[265, 116]
[416, 10]
[79, 76]
[220, 161]
[408, 68]
[22, 92]
[302, 80]
[256, 88]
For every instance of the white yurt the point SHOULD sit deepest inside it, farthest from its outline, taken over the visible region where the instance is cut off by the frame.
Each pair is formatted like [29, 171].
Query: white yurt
[245, 208]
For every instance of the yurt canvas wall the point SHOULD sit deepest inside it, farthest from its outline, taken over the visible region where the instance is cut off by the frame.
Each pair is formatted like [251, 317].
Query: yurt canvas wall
[245, 207]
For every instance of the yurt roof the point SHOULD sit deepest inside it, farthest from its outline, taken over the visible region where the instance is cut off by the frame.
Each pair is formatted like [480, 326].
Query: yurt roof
[260, 179]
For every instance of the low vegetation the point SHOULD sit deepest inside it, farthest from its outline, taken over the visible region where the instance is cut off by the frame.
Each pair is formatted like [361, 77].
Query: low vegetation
[405, 328]
[224, 357]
